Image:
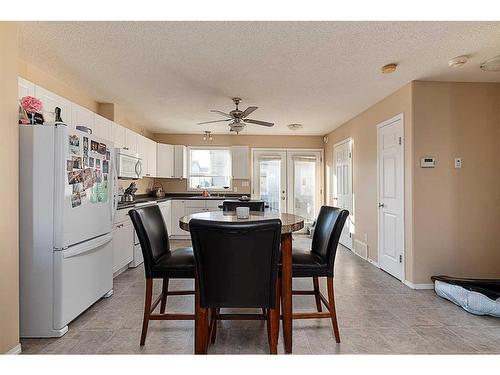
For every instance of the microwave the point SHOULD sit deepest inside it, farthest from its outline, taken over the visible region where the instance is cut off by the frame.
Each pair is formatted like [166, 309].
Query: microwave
[128, 164]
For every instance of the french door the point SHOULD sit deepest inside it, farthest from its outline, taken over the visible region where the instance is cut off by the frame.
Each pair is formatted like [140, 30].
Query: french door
[289, 181]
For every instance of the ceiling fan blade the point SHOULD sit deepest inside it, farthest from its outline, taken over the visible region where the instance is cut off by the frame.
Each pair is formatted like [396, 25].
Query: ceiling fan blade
[210, 122]
[247, 111]
[222, 113]
[257, 122]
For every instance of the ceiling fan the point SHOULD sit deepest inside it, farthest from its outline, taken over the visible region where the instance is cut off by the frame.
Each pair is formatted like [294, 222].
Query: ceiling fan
[238, 118]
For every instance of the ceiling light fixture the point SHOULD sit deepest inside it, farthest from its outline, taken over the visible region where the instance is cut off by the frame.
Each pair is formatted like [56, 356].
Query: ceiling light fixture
[491, 65]
[389, 68]
[458, 61]
[207, 135]
[295, 126]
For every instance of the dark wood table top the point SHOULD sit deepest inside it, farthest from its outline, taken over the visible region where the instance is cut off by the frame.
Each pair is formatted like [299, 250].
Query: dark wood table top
[289, 223]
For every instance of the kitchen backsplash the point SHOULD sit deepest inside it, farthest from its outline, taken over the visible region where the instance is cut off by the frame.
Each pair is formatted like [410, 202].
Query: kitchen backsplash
[177, 185]
[143, 185]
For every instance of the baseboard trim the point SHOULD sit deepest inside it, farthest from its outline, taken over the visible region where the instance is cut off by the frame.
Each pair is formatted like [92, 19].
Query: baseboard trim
[373, 262]
[418, 286]
[15, 350]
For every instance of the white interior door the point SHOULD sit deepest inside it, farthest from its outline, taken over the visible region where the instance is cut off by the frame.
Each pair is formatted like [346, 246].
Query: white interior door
[342, 187]
[269, 182]
[304, 184]
[391, 196]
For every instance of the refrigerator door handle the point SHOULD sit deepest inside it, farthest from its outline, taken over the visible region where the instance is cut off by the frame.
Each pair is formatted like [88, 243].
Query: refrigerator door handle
[87, 246]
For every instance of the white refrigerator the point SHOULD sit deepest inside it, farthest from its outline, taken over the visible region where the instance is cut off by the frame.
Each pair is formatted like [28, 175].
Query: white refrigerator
[67, 205]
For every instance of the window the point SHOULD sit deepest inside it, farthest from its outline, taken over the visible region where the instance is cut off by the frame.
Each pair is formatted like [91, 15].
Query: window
[209, 168]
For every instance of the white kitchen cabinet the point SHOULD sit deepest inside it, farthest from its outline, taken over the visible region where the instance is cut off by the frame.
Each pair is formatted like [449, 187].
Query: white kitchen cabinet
[123, 245]
[131, 140]
[166, 212]
[178, 210]
[180, 161]
[164, 160]
[102, 127]
[147, 150]
[118, 135]
[25, 88]
[81, 116]
[50, 101]
[151, 152]
[240, 162]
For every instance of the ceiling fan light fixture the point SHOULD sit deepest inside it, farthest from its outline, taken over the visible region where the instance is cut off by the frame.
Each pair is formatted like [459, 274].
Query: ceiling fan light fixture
[207, 135]
[458, 61]
[491, 65]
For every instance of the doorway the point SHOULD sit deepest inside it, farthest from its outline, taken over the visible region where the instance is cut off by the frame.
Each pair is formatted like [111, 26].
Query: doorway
[289, 180]
[342, 187]
[390, 176]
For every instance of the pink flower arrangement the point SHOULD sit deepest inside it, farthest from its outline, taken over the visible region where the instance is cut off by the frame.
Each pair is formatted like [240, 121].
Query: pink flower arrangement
[31, 104]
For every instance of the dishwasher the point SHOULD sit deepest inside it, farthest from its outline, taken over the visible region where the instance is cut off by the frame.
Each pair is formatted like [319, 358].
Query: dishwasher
[138, 258]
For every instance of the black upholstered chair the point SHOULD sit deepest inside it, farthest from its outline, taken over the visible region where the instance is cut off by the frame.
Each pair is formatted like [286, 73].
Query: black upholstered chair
[160, 263]
[319, 262]
[230, 205]
[236, 267]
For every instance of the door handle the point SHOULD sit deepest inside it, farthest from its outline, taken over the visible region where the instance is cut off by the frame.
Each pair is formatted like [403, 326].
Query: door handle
[381, 205]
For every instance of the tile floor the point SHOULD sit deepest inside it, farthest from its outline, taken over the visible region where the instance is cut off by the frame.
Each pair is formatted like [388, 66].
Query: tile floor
[377, 315]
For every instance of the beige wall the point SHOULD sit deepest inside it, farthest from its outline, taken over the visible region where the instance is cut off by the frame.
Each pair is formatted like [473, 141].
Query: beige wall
[9, 143]
[263, 141]
[363, 130]
[457, 211]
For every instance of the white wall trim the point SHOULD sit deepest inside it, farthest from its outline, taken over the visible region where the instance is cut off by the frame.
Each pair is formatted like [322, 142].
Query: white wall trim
[418, 286]
[373, 262]
[15, 350]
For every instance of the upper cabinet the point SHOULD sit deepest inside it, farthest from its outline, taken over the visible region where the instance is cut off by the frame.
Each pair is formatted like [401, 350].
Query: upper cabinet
[81, 116]
[241, 162]
[131, 140]
[164, 160]
[25, 88]
[118, 135]
[147, 150]
[50, 101]
[103, 127]
[151, 154]
[180, 161]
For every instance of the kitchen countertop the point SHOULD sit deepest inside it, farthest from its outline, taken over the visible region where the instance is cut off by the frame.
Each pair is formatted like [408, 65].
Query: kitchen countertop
[143, 198]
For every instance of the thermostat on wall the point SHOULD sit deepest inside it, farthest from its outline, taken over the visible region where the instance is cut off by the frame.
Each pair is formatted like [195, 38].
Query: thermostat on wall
[427, 162]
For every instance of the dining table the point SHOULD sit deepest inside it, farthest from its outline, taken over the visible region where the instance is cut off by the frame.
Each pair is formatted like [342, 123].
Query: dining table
[289, 223]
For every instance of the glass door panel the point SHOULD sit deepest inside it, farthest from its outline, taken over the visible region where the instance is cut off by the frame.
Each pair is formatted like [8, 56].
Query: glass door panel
[305, 184]
[269, 183]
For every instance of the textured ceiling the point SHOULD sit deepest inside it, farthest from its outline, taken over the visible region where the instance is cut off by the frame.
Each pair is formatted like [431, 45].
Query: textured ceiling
[319, 74]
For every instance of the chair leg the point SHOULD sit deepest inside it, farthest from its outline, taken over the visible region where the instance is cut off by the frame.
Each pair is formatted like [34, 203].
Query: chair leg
[273, 323]
[201, 325]
[147, 309]
[316, 294]
[331, 305]
[164, 295]
[213, 334]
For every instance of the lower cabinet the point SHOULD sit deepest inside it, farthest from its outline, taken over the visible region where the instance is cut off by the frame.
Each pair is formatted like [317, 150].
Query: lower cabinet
[123, 244]
[185, 207]
[166, 212]
[177, 213]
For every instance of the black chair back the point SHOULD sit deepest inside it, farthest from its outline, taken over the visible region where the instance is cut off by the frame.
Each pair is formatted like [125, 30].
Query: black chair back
[327, 232]
[236, 263]
[153, 236]
[253, 205]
